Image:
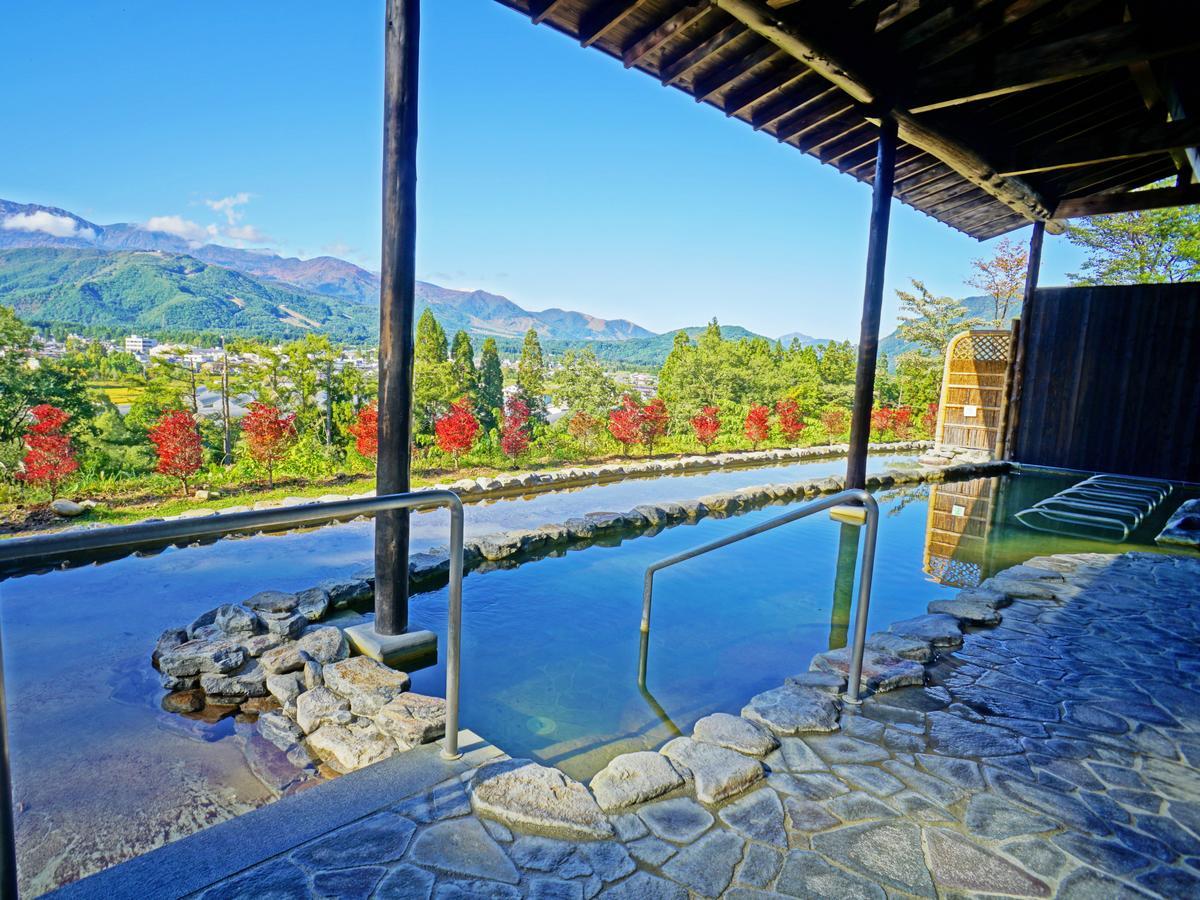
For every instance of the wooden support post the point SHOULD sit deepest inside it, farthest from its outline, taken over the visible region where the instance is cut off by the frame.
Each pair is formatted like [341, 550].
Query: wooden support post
[1013, 422]
[868, 340]
[397, 284]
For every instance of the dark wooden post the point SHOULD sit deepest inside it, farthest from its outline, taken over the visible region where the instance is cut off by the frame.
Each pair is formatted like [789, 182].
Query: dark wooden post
[1018, 367]
[397, 283]
[868, 339]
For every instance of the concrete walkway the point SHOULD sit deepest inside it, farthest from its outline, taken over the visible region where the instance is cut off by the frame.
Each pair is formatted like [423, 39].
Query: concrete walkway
[1053, 755]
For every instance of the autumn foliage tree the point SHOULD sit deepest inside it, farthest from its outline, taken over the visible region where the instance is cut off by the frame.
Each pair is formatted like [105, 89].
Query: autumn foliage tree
[457, 430]
[366, 432]
[757, 425]
[625, 422]
[49, 457]
[833, 420]
[177, 444]
[583, 427]
[706, 424]
[514, 431]
[653, 423]
[929, 419]
[791, 423]
[269, 435]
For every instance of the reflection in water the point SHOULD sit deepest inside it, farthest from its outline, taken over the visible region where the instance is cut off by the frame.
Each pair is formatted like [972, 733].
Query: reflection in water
[843, 585]
[958, 523]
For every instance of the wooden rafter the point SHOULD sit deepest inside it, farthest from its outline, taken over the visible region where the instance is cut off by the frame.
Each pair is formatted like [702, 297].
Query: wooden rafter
[1125, 144]
[687, 61]
[1128, 201]
[707, 85]
[1020, 70]
[743, 98]
[597, 22]
[658, 37]
[837, 66]
[540, 10]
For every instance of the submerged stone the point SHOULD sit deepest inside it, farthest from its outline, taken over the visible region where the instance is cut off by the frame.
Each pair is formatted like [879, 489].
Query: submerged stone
[633, 778]
[285, 689]
[734, 733]
[789, 710]
[521, 793]
[718, 773]
[279, 730]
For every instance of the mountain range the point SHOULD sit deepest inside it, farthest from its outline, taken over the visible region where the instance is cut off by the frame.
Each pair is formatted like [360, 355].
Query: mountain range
[57, 268]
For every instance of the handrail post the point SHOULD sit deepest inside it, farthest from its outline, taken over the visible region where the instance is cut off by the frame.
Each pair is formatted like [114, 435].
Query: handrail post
[454, 632]
[864, 600]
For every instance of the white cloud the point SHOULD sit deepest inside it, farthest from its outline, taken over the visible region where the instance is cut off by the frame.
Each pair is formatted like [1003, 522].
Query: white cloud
[181, 227]
[247, 233]
[48, 223]
[228, 206]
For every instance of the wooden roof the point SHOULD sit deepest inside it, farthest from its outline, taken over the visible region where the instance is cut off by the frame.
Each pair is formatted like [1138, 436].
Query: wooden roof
[1008, 111]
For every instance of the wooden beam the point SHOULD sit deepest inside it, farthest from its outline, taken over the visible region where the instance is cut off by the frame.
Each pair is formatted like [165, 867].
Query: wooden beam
[1128, 143]
[539, 10]
[743, 98]
[397, 284]
[707, 85]
[837, 67]
[685, 62]
[1128, 201]
[657, 37]
[600, 20]
[868, 338]
[1030, 67]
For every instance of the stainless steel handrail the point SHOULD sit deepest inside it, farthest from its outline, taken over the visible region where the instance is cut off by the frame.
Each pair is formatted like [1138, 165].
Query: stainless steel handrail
[30, 554]
[864, 586]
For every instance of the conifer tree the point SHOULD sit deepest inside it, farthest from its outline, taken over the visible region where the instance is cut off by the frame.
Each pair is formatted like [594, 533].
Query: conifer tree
[531, 376]
[489, 390]
[462, 365]
[433, 387]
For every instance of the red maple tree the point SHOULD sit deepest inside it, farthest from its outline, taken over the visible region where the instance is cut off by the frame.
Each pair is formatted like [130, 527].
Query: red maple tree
[269, 435]
[625, 422]
[791, 422]
[514, 432]
[49, 457]
[366, 432]
[929, 419]
[652, 423]
[757, 425]
[456, 431]
[177, 443]
[706, 424]
[902, 422]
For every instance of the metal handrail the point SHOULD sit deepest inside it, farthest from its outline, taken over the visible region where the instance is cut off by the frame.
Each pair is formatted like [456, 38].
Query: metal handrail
[864, 587]
[32, 553]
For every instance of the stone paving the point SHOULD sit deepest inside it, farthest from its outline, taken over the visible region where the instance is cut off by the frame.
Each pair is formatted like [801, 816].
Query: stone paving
[1052, 754]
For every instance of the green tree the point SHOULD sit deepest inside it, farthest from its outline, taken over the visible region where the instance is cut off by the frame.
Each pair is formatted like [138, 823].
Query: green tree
[531, 376]
[582, 385]
[1148, 247]
[489, 397]
[930, 322]
[918, 380]
[433, 381]
[462, 366]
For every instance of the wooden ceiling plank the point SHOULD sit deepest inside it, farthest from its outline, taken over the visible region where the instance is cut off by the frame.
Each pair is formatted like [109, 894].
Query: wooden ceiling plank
[788, 104]
[1128, 201]
[1105, 147]
[1019, 70]
[690, 59]
[742, 99]
[833, 64]
[706, 85]
[540, 10]
[600, 20]
[658, 37]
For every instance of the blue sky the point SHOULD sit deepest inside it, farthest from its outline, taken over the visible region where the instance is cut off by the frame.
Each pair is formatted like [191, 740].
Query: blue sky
[547, 173]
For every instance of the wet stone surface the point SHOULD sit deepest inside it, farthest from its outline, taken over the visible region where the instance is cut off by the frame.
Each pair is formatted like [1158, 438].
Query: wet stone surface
[1054, 754]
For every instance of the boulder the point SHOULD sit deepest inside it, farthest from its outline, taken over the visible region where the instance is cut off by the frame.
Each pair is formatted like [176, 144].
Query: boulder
[734, 733]
[279, 730]
[167, 641]
[607, 521]
[200, 656]
[827, 682]
[718, 773]
[184, 701]
[313, 603]
[344, 591]
[792, 710]
[412, 719]
[653, 515]
[325, 645]
[287, 624]
[236, 621]
[204, 625]
[898, 645]
[259, 644]
[941, 631]
[880, 671]
[366, 683]
[972, 611]
[633, 778]
[272, 602]
[519, 792]
[250, 680]
[319, 706]
[499, 545]
[68, 509]
[347, 748]
[285, 689]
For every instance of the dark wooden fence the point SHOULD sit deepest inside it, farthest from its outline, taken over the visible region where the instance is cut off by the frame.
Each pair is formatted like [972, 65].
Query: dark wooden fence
[1111, 380]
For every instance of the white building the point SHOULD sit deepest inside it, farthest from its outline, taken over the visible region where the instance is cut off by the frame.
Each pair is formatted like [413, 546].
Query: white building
[136, 344]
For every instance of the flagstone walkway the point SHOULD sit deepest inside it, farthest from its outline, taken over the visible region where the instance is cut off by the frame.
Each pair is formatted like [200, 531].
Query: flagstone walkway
[1053, 755]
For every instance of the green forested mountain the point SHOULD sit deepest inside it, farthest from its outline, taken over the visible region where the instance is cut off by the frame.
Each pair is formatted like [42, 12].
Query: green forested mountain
[165, 292]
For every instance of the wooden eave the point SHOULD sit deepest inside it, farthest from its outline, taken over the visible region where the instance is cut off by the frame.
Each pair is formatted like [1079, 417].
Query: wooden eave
[1010, 111]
